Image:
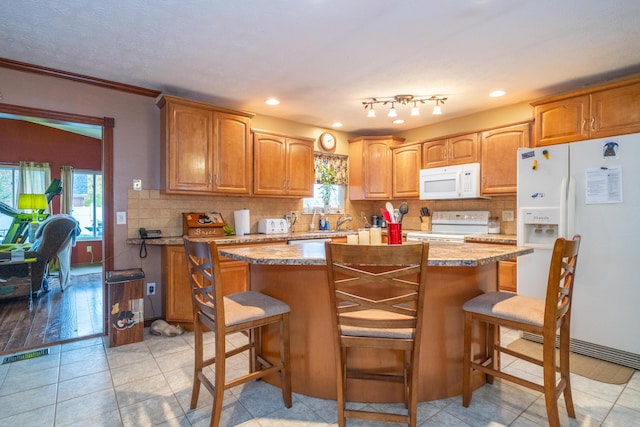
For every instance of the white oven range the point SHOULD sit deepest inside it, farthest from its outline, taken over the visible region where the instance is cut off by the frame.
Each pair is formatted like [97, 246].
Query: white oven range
[453, 226]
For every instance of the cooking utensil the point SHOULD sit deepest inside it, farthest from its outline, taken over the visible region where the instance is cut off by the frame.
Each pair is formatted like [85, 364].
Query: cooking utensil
[404, 209]
[385, 214]
[389, 207]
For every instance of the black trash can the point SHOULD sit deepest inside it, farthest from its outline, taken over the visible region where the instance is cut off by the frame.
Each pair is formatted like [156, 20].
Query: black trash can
[126, 306]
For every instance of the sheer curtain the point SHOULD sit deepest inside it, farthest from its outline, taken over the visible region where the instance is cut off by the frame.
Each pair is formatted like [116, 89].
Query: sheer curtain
[34, 177]
[66, 198]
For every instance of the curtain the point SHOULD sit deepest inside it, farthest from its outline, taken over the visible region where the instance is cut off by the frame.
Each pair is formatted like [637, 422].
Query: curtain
[66, 198]
[337, 162]
[34, 177]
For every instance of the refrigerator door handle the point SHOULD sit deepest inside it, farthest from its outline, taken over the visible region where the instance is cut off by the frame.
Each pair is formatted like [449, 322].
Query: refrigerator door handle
[571, 208]
[562, 226]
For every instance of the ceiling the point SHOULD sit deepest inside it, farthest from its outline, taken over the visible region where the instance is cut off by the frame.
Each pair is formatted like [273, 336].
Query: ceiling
[323, 58]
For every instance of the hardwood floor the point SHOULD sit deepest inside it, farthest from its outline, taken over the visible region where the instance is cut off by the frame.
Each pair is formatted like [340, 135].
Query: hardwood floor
[56, 316]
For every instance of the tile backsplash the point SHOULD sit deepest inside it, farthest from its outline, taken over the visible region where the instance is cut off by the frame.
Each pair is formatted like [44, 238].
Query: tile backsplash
[154, 210]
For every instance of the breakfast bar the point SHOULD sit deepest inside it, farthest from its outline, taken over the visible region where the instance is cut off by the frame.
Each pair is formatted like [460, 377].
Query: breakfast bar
[296, 274]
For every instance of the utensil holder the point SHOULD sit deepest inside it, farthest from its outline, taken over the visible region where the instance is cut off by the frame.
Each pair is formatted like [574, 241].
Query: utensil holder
[425, 224]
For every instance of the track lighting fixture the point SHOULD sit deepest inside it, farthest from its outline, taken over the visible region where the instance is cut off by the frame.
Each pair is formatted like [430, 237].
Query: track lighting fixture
[404, 100]
[392, 111]
[437, 110]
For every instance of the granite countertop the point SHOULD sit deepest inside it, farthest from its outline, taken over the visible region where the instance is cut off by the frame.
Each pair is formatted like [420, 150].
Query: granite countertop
[443, 254]
[249, 238]
[505, 239]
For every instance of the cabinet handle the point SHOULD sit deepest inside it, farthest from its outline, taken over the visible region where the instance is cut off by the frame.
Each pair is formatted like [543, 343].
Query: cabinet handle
[593, 123]
[584, 124]
[210, 178]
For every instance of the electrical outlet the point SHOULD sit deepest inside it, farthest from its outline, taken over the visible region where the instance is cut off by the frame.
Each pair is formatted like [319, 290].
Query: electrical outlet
[507, 216]
[89, 248]
[151, 288]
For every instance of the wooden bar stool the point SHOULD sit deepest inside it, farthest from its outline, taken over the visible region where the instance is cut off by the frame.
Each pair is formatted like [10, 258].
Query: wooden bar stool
[377, 299]
[541, 317]
[245, 312]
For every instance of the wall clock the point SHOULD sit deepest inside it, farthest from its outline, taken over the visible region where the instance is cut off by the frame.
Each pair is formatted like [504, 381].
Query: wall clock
[328, 141]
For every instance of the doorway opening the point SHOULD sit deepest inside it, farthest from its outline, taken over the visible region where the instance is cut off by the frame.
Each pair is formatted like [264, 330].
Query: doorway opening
[83, 300]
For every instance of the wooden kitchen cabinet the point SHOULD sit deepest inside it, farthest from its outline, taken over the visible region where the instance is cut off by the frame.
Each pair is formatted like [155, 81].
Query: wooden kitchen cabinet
[206, 149]
[407, 161]
[175, 278]
[283, 165]
[455, 150]
[602, 111]
[499, 148]
[507, 275]
[371, 167]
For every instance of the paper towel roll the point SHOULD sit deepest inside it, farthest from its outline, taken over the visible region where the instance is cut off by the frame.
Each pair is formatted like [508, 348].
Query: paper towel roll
[242, 222]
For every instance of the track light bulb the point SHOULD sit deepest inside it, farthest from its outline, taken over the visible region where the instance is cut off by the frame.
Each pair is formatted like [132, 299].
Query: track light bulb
[393, 112]
[415, 111]
[437, 110]
[372, 112]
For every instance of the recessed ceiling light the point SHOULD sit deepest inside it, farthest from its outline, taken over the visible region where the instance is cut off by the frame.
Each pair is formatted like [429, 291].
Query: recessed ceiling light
[497, 93]
[398, 122]
[336, 125]
[272, 101]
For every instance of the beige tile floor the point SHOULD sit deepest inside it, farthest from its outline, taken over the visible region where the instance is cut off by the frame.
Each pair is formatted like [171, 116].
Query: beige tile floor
[149, 384]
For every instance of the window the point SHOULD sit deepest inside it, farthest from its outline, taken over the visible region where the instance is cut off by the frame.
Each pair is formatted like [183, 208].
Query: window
[87, 203]
[9, 177]
[337, 201]
[337, 166]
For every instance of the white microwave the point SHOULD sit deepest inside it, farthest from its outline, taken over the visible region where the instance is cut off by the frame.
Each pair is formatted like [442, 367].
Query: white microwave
[450, 182]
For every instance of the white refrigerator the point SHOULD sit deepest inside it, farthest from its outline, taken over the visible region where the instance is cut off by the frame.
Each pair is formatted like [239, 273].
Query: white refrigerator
[591, 188]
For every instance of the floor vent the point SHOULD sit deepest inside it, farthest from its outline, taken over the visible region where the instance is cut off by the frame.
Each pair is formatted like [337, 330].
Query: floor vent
[25, 356]
[597, 351]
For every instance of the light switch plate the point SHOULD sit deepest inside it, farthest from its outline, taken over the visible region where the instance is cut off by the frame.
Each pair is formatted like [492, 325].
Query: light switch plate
[137, 184]
[121, 217]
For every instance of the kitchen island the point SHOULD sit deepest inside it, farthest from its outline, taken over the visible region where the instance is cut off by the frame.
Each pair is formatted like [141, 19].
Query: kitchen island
[296, 274]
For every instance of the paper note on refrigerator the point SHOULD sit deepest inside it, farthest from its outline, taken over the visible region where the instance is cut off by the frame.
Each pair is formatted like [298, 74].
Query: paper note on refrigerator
[603, 185]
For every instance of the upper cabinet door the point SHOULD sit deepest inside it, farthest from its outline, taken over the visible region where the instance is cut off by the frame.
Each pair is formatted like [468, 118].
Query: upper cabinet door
[562, 121]
[499, 163]
[301, 176]
[233, 167]
[188, 156]
[434, 154]
[378, 166]
[463, 149]
[407, 162]
[371, 167]
[270, 164]
[615, 111]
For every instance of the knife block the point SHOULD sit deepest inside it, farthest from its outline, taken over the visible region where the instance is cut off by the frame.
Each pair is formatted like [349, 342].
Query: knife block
[425, 223]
